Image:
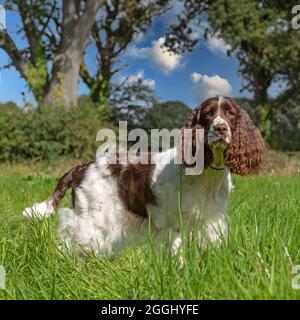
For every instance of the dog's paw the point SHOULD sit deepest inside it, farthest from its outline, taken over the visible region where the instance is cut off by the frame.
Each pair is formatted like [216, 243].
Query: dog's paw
[39, 210]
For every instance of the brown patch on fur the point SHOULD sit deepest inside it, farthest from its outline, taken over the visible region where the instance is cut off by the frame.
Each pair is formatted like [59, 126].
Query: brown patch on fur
[135, 185]
[72, 178]
[193, 122]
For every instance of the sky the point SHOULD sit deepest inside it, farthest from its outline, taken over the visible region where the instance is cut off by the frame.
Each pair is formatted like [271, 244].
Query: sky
[190, 78]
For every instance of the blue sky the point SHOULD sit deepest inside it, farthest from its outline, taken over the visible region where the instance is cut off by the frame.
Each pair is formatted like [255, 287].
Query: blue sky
[171, 77]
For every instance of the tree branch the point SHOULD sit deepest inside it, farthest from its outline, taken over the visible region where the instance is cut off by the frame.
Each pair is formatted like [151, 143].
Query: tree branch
[76, 28]
[29, 28]
[16, 56]
[84, 74]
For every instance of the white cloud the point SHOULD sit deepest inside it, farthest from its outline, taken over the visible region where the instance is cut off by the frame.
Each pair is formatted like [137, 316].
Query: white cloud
[138, 37]
[139, 76]
[158, 54]
[137, 53]
[217, 45]
[210, 86]
[167, 61]
[196, 77]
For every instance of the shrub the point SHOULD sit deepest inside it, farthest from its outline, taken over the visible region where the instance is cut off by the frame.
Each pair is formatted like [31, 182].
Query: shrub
[48, 133]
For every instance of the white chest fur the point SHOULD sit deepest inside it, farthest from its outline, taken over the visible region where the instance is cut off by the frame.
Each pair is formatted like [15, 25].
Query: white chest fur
[201, 196]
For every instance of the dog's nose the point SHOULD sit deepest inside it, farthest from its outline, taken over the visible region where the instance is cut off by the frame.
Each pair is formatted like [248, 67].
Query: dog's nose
[221, 129]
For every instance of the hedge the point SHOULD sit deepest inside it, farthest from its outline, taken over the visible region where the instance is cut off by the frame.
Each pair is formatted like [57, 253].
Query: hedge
[49, 133]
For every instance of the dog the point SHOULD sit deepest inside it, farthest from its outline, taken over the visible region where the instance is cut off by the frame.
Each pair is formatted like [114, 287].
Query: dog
[113, 204]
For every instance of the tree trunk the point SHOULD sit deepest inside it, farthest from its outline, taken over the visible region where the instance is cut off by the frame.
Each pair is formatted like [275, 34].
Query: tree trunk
[261, 85]
[262, 108]
[62, 90]
[60, 86]
[63, 86]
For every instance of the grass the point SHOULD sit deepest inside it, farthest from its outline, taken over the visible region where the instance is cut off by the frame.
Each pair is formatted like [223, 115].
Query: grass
[257, 262]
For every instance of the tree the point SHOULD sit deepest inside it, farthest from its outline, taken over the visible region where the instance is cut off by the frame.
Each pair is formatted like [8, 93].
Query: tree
[286, 119]
[131, 102]
[55, 36]
[286, 127]
[259, 34]
[181, 34]
[120, 22]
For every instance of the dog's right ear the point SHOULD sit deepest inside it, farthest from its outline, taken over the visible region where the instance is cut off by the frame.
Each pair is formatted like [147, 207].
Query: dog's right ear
[187, 146]
[193, 118]
[189, 142]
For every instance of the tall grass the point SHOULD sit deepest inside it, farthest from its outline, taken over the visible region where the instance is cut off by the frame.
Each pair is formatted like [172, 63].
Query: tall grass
[264, 241]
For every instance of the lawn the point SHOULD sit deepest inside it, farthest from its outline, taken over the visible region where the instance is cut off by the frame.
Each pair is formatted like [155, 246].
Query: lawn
[264, 242]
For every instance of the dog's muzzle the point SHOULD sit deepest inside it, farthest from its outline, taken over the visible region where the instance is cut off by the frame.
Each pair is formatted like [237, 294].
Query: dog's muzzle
[219, 132]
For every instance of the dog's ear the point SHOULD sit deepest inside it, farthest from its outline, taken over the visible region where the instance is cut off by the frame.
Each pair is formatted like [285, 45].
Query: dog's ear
[246, 153]
[193, 118]
[193, 122]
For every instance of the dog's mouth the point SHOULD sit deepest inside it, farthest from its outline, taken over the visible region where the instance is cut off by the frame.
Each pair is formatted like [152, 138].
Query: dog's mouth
[216, 141]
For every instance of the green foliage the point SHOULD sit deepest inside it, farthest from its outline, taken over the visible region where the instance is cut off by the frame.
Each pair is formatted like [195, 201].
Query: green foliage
[169, 115]
[261, 34]
[11, 134]
[48, 133]
[36, 76]
[286, 128]
[284, 133]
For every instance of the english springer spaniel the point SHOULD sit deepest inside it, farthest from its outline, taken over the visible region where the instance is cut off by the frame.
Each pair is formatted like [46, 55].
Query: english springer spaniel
[112, 204]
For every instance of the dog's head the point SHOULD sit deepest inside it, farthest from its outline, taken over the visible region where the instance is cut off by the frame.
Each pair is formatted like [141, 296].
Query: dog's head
[229, 134]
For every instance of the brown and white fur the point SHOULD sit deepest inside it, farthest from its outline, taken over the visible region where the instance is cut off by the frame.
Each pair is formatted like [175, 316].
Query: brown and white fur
[112, 203]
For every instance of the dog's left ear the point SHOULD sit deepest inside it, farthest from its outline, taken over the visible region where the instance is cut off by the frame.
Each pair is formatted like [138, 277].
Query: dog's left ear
[246, 154]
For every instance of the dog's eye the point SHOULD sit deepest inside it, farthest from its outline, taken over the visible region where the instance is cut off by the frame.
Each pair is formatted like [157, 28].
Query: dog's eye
[208, 113]
[230, 112]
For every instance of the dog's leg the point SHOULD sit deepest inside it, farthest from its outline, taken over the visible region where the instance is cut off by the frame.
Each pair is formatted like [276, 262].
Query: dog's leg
[176, 249]
[176, 243]
[214, 232]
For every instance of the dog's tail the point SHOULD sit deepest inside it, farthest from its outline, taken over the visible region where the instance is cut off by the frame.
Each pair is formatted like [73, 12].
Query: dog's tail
[47, 208]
